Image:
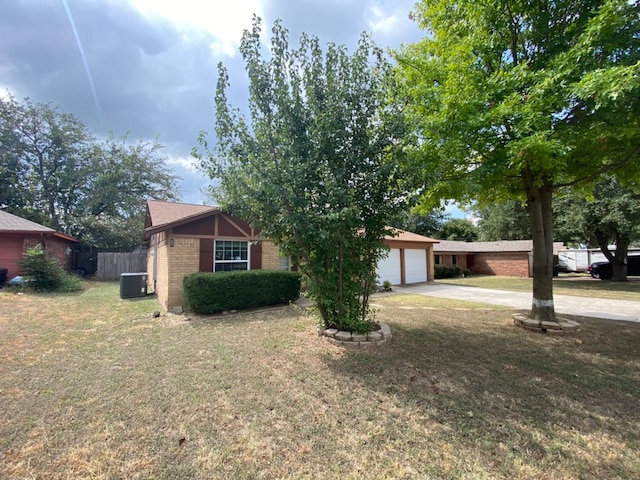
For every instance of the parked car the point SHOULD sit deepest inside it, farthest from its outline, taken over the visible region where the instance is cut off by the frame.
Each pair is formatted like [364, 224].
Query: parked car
[604, 270]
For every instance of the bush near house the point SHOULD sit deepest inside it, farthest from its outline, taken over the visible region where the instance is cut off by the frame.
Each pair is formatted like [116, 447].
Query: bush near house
[443, 271]
[207, 292]
[45, 274]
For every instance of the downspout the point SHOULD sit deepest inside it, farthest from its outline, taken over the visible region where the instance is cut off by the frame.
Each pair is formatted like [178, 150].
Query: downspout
[155, 261]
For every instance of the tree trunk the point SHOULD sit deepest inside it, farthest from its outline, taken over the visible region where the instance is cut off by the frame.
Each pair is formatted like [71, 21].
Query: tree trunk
[540, 215]
[618, 259]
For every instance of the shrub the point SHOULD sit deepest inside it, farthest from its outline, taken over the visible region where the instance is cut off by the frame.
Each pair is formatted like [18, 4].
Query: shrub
[442, 271]
[46, 274]
[207, 292]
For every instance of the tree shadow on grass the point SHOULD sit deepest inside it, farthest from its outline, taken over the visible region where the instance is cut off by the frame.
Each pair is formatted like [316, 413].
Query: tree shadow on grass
[502, 392]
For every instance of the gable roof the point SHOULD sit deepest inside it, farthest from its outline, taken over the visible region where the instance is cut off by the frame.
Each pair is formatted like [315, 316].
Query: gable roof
[453, 246]
[161, 214]
[13, 224]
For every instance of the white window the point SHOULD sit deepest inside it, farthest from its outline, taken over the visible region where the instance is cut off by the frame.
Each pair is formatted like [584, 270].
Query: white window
[285, 263]
[231, 255]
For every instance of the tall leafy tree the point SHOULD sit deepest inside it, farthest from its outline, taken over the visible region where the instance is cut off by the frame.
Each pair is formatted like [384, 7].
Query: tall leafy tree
[55, 172]
[46, 153]
[507, 220]
[610, 215]
[427, 224]
[312, 165]
[12, 171]
[126, 174]
[461, 229]
[513, 99]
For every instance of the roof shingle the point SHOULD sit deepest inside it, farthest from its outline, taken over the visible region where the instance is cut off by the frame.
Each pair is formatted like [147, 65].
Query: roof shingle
[14, 224]
[488, 247]
[165, 213]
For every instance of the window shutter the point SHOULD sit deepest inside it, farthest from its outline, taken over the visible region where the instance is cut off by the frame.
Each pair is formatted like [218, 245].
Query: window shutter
[256, 256]
[206, 255]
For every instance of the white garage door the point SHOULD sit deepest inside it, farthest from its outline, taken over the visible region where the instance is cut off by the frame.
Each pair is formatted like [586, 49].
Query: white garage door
[415, 265]
[389, 268]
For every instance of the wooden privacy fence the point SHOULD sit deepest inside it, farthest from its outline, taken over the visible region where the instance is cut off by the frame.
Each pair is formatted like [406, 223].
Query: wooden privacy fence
[111, 265]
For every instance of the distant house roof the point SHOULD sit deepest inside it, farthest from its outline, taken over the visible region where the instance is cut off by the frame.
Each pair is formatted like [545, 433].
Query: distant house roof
[404, 236]
[13, 224]
[454, 246]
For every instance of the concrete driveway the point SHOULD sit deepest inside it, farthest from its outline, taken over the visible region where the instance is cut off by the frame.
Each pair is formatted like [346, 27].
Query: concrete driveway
[564, 304]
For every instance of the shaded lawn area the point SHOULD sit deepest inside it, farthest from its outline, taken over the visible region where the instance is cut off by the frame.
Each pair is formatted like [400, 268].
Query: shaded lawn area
[92, 386]
[578, 285]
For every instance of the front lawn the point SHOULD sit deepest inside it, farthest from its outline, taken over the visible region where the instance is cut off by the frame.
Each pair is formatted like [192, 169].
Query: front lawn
[92, 386]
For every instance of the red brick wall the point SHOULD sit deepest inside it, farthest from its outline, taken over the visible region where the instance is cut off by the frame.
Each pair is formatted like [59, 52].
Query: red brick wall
[53, 248]
[447, 260]
[507, 264]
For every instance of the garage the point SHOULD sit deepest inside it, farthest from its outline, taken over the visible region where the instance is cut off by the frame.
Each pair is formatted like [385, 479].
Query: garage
[410, 259]
[389, 268]
[415, 265]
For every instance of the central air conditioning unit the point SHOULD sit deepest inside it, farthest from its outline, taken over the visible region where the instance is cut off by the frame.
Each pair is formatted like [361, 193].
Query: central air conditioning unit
[133, 285]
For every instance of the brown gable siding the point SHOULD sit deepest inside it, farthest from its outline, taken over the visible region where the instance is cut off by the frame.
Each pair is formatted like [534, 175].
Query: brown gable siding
[204, 226]
[233, 228]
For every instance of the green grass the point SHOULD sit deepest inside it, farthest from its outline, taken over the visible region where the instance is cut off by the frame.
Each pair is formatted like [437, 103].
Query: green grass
[577, 285]
[92, 386]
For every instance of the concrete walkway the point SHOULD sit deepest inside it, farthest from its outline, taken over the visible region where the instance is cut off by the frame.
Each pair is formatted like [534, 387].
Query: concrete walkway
[564, 304]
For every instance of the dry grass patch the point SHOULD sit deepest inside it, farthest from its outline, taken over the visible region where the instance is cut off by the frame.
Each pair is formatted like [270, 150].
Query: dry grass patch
[92, 386]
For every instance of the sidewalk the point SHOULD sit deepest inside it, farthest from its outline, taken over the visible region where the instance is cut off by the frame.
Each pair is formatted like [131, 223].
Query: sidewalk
[581, 306]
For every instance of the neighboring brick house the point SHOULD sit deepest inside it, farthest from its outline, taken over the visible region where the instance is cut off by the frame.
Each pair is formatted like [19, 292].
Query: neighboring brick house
[17, 235]
[186, 238]
[511, 258]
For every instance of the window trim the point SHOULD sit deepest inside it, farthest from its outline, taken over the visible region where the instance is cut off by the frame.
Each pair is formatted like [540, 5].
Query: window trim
[226, 262]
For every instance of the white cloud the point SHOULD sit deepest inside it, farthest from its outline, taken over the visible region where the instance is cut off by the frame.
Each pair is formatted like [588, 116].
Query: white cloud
[186, 163]
[4, 92]
[382, 22]
[225, 21]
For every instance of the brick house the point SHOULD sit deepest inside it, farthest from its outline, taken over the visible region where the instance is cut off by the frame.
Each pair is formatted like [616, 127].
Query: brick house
[511, 258]
[184, 239]
[17, 235]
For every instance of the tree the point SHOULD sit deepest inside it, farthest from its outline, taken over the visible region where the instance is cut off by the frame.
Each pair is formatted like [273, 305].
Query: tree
[312, 167]
[126, 175]
[427, 224]
[11, 169]
[513, 100]
[610, 215]
[461, 229]
[55, 172]
[507, 220]
[46, 156]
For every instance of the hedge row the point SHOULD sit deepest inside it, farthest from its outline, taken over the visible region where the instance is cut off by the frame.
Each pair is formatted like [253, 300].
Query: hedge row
[442, 271]
[207, 292]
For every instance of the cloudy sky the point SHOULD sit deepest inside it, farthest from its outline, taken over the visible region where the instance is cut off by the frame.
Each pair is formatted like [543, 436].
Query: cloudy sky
[148, 67]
